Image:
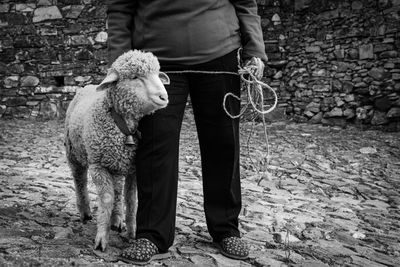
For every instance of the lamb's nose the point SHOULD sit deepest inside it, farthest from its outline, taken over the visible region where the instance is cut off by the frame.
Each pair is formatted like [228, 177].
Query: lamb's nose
[164, 97]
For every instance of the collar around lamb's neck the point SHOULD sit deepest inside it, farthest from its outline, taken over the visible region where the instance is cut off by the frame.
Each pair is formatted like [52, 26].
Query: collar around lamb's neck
[123, 127]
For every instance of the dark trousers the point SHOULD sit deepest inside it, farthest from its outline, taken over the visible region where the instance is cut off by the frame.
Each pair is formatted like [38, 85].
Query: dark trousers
[158, 153]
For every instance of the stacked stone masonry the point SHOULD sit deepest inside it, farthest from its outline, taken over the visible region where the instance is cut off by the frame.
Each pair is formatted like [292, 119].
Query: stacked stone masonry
[48, 49]
[335, 62]
[332, 62]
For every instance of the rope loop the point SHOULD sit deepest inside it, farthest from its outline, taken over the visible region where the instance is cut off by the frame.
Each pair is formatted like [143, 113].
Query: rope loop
[255, 92]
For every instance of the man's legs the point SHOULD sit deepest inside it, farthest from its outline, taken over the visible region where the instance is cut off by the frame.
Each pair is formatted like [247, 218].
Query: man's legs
[157, 167]
[219, 146]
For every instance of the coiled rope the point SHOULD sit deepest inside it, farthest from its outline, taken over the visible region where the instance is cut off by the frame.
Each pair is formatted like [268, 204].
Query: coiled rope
[255, 93]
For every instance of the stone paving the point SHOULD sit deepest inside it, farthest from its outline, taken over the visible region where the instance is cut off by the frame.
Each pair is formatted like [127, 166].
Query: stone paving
[328, 197]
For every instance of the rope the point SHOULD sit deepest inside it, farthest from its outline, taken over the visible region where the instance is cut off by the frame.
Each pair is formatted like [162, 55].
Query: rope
[253, 86]
[255, 93]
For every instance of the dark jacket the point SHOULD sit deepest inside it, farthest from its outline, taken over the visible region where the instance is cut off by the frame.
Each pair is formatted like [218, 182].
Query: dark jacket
[185, 32]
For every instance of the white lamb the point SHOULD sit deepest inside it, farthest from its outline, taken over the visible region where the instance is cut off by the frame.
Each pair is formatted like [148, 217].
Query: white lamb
[96, 145]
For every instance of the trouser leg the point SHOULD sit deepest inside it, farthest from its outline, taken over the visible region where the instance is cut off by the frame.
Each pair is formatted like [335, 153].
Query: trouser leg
[157, 167]
[219, 146]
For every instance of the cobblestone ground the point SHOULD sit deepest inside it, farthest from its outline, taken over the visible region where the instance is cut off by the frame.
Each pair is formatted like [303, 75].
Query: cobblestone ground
[330, 197]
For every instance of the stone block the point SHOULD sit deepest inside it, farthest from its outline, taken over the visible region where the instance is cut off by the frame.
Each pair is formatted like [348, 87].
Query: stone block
[366, 51]
[25, 91]
[308, 114]
[319, 73]
[313, 107]
[278, 75]
[360, 85]
[389, 65]
[44, 89]
[25, 7]
[48, 32]
[73, 11]
[379, 118]
[335, 112]
[342, 66]
[29, 81]
[353, 53]
[388, 54]
[336, 85]
[77, 40]
[339, 102]
[347, 86]
[32, 103]
[349, 113]
[349, 98]
[313, 49]
[316, 118]
[382, 47]
[339, 53]
[321, 88]
[11, 81]
[101, 37]
[46, 13]
[394, 112]
[44, 3]
[377, 73]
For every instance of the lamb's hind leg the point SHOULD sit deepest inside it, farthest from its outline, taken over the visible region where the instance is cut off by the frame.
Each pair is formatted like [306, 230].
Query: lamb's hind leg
[118, 211]
[105, 190]
[131, 203]
[79, 173]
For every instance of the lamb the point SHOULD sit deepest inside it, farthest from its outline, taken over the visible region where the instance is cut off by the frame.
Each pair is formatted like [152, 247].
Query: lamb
[96, 146]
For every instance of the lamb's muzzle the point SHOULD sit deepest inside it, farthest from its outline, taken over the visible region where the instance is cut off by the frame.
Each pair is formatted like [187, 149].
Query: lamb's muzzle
[157, 92]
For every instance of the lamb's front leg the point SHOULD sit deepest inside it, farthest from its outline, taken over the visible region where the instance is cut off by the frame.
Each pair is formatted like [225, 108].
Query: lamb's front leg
[131, 203]
[118, 211]
[105, 196]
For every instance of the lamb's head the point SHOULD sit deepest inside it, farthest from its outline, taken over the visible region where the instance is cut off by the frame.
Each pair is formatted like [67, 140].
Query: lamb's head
[135, 84]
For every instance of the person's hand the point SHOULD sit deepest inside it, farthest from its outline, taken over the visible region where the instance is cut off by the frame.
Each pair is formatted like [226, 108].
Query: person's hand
[256, 67]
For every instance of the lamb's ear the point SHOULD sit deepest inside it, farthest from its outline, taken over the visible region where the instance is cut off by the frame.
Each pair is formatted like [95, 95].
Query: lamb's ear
[164, 78]
[112, 76]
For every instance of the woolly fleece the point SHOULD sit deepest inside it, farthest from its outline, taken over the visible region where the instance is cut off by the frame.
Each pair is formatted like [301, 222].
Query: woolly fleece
[96, 147]
[135, 62]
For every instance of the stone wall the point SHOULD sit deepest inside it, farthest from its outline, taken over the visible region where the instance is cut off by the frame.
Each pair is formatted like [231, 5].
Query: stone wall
[49, 48]
[333, 62]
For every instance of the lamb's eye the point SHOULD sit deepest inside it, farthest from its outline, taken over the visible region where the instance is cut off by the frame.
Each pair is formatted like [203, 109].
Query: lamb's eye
[164, 78]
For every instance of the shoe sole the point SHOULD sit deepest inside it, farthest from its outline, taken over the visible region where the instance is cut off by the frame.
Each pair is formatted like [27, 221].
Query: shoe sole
[231, 256]
[159, 256]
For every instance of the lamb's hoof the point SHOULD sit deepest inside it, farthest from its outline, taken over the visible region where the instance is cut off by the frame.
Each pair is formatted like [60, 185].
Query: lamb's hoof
[101, 242]
[118, 227]
[117, 224]
[85, 218]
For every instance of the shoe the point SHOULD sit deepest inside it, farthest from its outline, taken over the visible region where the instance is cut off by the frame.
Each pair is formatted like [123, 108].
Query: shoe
[140, 252]
[234, 247]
